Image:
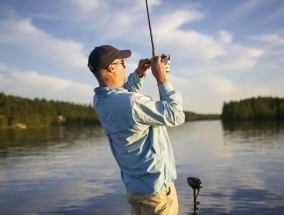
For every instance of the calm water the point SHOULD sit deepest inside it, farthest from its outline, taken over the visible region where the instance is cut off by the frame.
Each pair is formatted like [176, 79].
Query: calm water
[72, 171]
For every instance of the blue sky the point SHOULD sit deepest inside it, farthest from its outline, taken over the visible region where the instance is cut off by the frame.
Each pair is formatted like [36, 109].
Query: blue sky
[220, 50]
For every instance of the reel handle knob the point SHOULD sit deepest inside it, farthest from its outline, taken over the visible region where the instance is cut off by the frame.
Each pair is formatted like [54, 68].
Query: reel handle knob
[166, 60]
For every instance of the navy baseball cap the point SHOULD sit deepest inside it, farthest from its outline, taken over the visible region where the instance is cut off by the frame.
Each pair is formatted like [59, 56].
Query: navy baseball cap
[104, 55]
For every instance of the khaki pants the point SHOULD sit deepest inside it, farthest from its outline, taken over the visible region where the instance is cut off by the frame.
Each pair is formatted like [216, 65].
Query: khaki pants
[164, 203]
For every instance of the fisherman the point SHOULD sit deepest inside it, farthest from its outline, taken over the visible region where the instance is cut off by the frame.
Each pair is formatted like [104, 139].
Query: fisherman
[135, 126]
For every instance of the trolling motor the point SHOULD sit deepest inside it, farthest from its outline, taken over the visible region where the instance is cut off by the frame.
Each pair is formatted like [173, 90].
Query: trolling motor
[165, 59]
[196, 185]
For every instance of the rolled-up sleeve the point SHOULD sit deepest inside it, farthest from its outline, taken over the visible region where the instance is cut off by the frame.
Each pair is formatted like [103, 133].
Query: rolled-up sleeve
[134, 83]
[167, 111]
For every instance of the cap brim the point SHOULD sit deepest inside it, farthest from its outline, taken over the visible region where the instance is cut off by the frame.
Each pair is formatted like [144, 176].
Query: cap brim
[124, 53]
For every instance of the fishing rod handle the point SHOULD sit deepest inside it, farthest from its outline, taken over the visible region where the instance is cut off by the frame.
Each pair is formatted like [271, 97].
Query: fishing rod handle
[154, 53]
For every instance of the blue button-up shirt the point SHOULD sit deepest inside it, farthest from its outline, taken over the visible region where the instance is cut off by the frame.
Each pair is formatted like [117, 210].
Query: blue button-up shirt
[135, 125]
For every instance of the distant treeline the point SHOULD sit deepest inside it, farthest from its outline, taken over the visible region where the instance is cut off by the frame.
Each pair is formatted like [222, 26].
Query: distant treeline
[260, 108]
[18, 112]
[22, 112]
[191, 116]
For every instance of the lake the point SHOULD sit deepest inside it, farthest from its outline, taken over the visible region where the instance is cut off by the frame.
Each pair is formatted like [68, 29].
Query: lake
[72, 171]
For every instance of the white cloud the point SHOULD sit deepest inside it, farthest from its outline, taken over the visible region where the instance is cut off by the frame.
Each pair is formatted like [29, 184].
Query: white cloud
[111, 20]
[174, 21]
[278, 14]
[191, 45]
[219, 53]
[32, 84]
[86, 6]
[238, 58]
[21, 34]
[273, 44]
[273, 39]
[219, 85]
[225, 37]
[245, 9]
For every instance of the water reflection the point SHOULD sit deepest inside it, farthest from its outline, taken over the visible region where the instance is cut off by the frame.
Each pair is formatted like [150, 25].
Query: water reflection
[42, 171]
[39, 139]
[72, 171]
[240, 168]
[252, 125]
[258, 160]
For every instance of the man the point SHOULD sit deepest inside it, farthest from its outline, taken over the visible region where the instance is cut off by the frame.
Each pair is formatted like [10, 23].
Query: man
[135, 126]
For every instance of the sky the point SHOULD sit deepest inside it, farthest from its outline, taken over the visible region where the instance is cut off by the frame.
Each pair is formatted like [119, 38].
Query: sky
[221, 51]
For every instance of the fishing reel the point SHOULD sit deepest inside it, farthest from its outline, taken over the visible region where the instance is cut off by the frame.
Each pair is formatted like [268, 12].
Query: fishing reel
[166, 60]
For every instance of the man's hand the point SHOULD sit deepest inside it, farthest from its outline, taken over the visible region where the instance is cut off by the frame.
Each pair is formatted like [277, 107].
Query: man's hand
[159, 70]
[143, 66]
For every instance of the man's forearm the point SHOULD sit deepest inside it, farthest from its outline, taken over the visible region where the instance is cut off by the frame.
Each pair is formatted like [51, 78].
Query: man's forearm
[134, 83]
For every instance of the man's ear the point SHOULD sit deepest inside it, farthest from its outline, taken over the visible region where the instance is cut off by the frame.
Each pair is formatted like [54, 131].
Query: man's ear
[110, 68]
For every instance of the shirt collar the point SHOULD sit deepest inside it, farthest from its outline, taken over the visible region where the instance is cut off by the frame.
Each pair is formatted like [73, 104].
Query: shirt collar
[108, 90]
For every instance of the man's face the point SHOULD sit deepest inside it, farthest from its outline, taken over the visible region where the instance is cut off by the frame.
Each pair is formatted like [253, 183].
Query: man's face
[119, 68]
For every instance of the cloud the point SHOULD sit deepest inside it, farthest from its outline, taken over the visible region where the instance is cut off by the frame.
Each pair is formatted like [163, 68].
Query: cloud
[188, 43]
[87, 6]
[32, 84]
[174, 20]
[239, 58]
[273, 39]
[196, 47]
[273, 44]
[22, 36]
[245, 9]
[215, 53]
[111, 20]
[278, 14]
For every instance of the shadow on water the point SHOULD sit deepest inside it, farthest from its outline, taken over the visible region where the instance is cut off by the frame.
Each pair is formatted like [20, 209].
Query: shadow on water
[19, 142]
[107, 204]
[241, 201]
[254, 133]
[251, 125]
[239, 164]
[45, 197]
[246, 201]
[112, 200]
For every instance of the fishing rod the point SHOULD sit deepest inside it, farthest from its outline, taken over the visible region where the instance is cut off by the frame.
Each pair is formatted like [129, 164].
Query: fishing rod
[164, 58]
[154, 53]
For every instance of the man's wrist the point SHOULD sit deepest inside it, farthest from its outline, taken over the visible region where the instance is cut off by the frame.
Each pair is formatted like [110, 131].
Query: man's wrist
[140, 75]
[160, 81]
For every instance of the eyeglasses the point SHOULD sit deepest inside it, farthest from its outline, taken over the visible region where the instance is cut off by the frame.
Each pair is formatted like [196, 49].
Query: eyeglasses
[117, 63]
